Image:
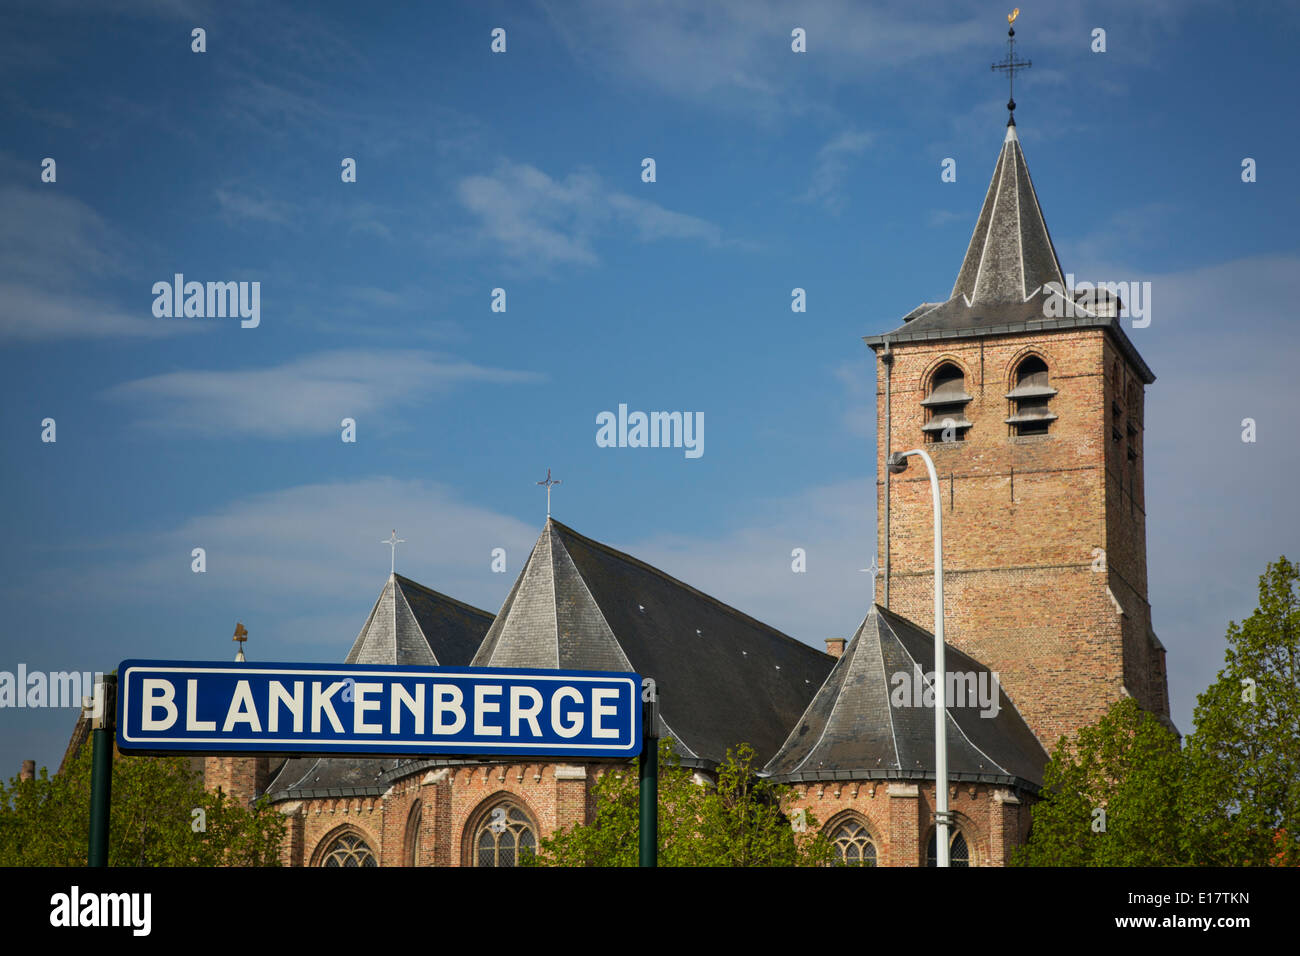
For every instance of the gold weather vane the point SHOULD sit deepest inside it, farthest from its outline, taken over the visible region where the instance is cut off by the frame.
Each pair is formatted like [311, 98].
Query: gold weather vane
[241, 635]
[1011, 64]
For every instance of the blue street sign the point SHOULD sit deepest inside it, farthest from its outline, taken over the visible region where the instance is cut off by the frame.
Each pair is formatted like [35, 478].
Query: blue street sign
[210, 707]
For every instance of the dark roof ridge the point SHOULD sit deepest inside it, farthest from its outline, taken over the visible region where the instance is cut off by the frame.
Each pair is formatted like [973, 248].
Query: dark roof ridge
[614, 552]
[440, 596]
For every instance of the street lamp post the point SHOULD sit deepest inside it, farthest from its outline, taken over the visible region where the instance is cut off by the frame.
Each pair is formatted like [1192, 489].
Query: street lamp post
[897, 464]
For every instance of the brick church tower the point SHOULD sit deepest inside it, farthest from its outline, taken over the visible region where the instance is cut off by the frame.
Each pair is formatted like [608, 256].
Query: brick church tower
[1028, 396]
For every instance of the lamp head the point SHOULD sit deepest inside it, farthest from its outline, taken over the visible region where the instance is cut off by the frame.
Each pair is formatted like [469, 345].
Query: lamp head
[897, 463]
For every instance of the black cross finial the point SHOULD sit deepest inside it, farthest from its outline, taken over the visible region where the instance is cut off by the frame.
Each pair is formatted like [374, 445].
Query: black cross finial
[1011, 64]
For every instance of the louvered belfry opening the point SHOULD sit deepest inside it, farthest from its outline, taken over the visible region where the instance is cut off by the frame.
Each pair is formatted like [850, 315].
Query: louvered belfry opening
[946, 403]
[1030, 414]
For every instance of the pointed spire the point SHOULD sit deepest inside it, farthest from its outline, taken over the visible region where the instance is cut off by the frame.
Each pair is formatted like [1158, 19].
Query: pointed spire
[869, 719]
[412, 624]
[1011, 255]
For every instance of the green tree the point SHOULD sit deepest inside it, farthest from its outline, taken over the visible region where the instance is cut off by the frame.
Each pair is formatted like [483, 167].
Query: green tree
[1242, 799]
[737, 823]
[160, 815]
[1110, 797]
[743, 823]
[1230, 797]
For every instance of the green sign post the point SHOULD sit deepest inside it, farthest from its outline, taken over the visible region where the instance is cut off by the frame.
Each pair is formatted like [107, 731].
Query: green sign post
[649, 819]
[103, 707]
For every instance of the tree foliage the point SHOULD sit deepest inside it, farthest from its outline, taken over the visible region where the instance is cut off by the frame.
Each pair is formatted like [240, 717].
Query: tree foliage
[737, 822]
[1243, 761]
[1229, 797]
[153, 821]
[1110, 796]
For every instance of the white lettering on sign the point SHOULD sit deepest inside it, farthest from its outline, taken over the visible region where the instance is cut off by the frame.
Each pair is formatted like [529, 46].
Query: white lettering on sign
[600, 710]
[153, 700]
[242, 710]
[320, 703]
[403, 698]
[192, 721]
[482, 707]
[279, 696]
[447, 697]
[518, 713]
[360, 705]
[248, 706]
[573, 728]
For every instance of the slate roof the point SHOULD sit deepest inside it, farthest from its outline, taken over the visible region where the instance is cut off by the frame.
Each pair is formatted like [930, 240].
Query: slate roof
[303, 778]
[411, 624]
[1010, 253]
[1010, 279]
[723, 677]
[851, 730]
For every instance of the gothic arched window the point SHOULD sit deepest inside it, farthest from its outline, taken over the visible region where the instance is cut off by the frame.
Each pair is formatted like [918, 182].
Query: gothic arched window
[853, 843]
[958, 850]
[349, 849]
[413, 834]
[946, 402]
[1029, 412]
[504, 833]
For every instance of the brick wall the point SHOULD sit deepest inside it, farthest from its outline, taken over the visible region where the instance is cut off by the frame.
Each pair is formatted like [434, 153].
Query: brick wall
[242, 778]
[453, 802]
[900, 816]
[1026, 520]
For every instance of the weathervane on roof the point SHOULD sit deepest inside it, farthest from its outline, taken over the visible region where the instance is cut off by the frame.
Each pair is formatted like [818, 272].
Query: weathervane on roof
[548, 482]
[1011, 64]
[241, 635]
[393, 542]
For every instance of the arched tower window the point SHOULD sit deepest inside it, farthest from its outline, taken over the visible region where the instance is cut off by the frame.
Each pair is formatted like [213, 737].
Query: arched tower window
[853, 843]
[1030, 414]
[349, 849]
[502, 835]
[958, 849]
[946, 403]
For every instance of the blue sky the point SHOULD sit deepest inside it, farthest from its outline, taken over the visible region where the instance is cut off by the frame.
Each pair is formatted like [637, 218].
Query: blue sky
[522, 171]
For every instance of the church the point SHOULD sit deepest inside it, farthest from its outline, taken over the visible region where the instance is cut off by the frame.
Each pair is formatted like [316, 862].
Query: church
[1029, 400]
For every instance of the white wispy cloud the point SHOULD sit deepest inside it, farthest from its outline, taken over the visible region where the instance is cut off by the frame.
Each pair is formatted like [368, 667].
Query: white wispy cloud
[832, 166]
[29, 314]
[539, 222]
[293, 552]
[237, 207]
[56, 254]
[304, 396]
[309, 558]
[736, 54]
